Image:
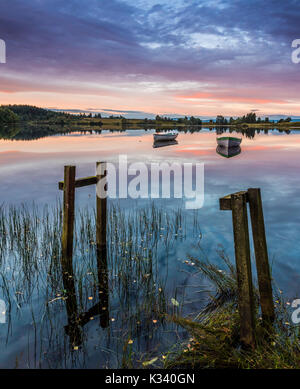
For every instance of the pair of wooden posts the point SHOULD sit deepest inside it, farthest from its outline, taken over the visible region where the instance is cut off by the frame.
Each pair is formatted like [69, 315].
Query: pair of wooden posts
[68, 186]
[237, 203]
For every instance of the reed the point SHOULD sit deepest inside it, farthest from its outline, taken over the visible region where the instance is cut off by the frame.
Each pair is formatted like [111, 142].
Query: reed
[31, 276]
[214, 333]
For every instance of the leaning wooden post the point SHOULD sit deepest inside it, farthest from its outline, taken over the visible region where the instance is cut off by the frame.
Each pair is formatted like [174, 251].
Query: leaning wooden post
[101, 224]
[243, 268]
[261, 255]
[68, 213]
[237, 203]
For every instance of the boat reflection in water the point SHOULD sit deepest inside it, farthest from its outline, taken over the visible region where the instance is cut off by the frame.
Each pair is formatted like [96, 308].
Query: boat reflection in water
[228, 152]
[229, 141]
[228, 146]
[164, 143]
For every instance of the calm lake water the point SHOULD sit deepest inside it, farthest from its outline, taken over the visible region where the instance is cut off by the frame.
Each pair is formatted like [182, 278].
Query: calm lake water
[131, 328]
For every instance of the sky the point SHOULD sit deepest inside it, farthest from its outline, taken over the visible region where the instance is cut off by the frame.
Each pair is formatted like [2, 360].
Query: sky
[140, 58]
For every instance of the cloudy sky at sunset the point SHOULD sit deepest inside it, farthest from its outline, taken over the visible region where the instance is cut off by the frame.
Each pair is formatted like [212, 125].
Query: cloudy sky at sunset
[142, 57]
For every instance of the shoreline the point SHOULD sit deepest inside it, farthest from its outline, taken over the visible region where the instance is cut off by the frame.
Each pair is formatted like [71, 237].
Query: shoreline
[138, 124]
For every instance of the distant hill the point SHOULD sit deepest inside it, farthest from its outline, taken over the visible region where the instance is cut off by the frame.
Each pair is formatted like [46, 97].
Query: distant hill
[32, 113]
[7, 116]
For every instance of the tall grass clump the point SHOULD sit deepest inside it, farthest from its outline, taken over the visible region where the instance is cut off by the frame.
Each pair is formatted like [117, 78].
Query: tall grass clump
[214, 332]
[32, 279]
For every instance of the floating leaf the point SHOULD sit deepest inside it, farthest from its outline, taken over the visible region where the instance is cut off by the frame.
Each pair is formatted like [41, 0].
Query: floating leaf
[55, 299]
[147, 363]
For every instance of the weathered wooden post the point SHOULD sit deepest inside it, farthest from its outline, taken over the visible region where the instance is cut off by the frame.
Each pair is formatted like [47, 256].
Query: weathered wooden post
[261, 255]
[243, 268]
[238, 204]
[67, 255]
[101, 224]
[68, 213]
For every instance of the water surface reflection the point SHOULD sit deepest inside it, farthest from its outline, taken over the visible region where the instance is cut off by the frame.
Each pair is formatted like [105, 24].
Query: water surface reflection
[43, 333]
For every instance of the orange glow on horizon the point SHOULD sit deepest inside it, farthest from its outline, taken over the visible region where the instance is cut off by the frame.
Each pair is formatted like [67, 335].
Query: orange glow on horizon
[211, 96]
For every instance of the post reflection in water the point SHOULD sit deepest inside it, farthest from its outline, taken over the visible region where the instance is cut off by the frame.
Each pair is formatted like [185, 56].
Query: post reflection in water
[101, 222]
[75, 320]
[72, 329]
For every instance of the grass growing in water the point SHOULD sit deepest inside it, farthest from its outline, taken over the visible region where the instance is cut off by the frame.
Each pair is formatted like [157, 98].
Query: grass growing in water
[31, 283]
[139, 302]
[214, 341]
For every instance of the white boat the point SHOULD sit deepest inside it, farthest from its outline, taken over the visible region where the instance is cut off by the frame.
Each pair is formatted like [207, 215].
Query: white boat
[164, 137]
[228, 141]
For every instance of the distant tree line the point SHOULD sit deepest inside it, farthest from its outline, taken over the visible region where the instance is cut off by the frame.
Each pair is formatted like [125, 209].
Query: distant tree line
[28, 113]
[186, 120]
[249, 118]
[7, 116]
[32, 113]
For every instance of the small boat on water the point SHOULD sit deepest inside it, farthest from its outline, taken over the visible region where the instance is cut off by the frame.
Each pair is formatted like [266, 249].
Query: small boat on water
[228, 141]
[228, 152]
[164, 137]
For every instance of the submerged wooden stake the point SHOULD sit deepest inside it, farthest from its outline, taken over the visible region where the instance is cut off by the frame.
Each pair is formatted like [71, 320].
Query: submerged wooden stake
[68, 213]
[261, 255]
[243, 268]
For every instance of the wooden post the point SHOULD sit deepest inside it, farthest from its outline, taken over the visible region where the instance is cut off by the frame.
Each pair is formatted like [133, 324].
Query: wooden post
[101, 205]
[67, 255]
[243, 268]
[68, 213]
[261, 255]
